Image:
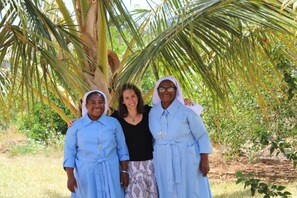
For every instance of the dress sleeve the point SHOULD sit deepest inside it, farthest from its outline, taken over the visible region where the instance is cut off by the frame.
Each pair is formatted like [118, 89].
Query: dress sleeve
[199, 132]
[70, 147]
[122, 149]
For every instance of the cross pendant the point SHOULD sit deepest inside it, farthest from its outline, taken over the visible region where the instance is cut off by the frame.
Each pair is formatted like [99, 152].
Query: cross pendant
[161, 135]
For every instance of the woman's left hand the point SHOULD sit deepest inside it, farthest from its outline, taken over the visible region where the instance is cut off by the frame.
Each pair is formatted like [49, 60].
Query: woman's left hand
[70, 123]
[124, 179]
[204, 165]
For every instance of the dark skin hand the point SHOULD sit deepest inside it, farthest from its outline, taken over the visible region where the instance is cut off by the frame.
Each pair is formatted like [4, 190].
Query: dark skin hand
[124, 179]
[204, 165]
[124, 175]
[71, 182]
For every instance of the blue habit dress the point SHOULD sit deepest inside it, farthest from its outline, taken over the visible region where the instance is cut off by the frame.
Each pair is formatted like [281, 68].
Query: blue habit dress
[180, 138]
[94, 149]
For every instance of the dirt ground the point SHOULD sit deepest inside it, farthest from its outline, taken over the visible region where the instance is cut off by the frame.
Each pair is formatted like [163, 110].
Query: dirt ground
[265, 167]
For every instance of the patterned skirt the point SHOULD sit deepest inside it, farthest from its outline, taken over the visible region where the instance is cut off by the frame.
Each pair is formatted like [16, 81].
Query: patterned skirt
[142, 182]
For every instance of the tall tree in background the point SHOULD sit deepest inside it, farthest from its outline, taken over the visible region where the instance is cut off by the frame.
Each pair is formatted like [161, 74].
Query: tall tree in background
[209, 43]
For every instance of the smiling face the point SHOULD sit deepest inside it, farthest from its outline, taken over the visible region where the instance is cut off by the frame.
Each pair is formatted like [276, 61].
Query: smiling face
[166, 92]
[95, 104]
[130, 99]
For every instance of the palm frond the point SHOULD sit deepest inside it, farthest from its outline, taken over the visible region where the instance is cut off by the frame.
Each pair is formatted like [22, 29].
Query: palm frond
[211, 43]
[33, 54]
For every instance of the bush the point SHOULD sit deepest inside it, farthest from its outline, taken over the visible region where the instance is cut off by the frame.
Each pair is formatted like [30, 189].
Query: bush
[256, 185]
[42, 125]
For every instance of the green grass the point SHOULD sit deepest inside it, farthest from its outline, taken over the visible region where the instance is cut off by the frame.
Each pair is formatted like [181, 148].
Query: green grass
[222, 189]
[35, 171]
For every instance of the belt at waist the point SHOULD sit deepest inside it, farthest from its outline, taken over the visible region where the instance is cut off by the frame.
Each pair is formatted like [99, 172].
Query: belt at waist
[181, 139]
[173, 160]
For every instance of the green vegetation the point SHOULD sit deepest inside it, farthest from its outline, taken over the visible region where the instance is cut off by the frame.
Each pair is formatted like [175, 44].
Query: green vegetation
[42, 125]
[228, 189]
[262, 188]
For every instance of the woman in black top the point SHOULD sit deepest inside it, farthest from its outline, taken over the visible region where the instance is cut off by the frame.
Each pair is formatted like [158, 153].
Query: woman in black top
[133, 116]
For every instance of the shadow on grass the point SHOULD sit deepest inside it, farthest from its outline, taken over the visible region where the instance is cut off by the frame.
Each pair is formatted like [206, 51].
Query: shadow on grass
[236, 194]
[54, 194]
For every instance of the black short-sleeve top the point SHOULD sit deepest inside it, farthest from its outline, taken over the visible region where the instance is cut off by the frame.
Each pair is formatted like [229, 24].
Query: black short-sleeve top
[138, 137]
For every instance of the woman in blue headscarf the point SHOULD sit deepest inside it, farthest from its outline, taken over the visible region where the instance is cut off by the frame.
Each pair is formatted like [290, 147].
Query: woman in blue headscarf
[95, 153]
[181, 145]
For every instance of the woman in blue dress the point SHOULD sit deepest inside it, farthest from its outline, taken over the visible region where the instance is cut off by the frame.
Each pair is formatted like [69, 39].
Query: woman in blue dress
[95, 153]
[181, 144]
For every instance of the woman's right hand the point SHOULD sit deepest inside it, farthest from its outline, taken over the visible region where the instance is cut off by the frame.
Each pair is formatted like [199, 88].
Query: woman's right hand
[71, 181]
[188, 102]
[71, 184]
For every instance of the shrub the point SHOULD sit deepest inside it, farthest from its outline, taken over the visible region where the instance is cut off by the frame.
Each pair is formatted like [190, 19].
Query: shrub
[42, 125]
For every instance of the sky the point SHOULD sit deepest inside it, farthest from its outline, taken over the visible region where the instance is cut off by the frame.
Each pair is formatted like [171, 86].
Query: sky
[133, 3]
[130, 4]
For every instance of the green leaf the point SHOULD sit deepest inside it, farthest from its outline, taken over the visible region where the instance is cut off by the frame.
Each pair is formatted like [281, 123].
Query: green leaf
[281, 188]
[287, 193]
[253, 191]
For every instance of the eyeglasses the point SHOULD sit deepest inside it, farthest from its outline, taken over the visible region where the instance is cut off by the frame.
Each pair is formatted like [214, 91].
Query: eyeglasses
[168, 89]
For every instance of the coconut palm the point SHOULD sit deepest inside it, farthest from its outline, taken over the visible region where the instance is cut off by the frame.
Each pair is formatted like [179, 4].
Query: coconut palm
[53, 52]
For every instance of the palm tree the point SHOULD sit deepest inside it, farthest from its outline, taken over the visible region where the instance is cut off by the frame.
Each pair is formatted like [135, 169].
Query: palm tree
[207, 43]
[54, 53]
